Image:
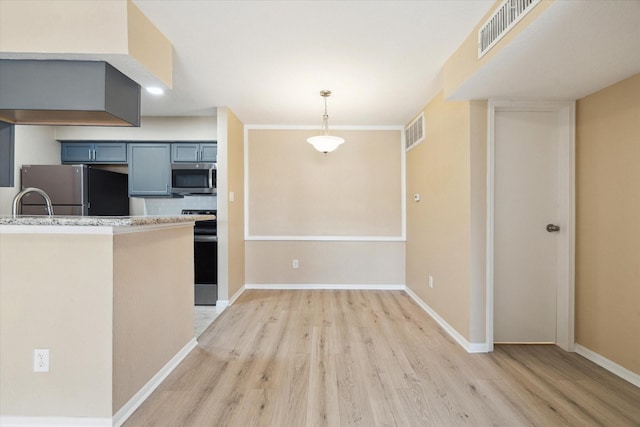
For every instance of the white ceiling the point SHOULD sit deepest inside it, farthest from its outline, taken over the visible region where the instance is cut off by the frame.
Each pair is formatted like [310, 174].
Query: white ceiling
[268, 60]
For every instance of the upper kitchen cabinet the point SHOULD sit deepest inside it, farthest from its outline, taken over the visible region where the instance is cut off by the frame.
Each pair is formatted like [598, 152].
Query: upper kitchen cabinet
[94, 152]
[149, 169]
[209, 152]
[194, 152]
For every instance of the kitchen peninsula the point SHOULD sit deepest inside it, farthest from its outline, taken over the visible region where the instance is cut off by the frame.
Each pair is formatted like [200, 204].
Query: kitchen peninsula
[111, 298]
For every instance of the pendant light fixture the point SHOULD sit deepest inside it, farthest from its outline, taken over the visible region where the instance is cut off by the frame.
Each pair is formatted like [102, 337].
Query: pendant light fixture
[324, 142]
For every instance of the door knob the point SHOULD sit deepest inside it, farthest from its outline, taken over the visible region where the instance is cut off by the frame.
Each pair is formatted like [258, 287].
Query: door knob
[552, 228]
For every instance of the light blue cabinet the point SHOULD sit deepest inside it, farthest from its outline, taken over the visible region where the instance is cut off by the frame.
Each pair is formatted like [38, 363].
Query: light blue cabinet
[192, 152]
[185, 152]
[149, 169]
[94, 152]
[209, 153]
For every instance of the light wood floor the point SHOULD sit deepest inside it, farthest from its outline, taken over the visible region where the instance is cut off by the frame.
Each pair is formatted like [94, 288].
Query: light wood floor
[373, 358]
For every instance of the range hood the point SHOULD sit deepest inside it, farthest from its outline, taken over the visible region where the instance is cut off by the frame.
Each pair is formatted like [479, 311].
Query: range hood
[74, 93]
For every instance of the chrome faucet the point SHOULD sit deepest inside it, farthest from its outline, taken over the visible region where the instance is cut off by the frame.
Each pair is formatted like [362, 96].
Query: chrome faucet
[17, 201]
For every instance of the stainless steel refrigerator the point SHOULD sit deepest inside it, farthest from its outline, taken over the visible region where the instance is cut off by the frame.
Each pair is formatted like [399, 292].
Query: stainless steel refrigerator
[75, 190]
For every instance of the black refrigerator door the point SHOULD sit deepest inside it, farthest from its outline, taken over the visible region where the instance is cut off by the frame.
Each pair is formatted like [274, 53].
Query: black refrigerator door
[205, 256]
[108, 193]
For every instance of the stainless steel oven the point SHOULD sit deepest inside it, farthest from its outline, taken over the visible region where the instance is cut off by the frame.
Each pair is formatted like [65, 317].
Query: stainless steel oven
[205, 257]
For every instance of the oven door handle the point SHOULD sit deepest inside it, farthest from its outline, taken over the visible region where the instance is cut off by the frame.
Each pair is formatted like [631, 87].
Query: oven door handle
[205, 238]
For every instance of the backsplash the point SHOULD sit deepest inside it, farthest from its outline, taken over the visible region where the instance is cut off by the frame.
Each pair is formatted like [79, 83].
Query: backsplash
[174, 206]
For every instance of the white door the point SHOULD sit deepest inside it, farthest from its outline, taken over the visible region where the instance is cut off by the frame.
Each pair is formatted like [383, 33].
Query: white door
[525, 202]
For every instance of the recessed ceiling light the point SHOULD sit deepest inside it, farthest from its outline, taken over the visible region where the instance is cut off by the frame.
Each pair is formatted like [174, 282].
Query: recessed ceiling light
[155, 90]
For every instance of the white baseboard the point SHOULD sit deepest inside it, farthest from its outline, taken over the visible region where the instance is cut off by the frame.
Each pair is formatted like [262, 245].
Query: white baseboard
[609, 365]
[479, 347]
[334, 286]
[235, 296]
[55, 422]
[129, 408]
[221, 304]
[469, 347]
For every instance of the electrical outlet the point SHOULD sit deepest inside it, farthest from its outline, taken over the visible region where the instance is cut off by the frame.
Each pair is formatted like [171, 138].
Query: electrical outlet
[431, 281]
[295, 264]
[40, 360]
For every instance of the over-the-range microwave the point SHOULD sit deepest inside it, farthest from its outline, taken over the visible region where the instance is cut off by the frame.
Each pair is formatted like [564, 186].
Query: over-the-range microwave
[193, 178]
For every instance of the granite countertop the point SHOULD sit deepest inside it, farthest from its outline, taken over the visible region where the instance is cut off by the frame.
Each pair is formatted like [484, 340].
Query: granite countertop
[102, 221]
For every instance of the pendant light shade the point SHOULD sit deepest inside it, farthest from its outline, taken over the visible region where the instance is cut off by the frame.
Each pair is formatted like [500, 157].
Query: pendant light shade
[324, 142]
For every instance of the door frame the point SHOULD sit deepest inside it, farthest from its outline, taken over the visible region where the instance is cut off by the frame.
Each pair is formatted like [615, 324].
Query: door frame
[565, 292]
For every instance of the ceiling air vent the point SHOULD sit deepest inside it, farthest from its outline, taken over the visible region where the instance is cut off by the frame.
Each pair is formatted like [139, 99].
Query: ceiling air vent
[505, 17]
[414, 133]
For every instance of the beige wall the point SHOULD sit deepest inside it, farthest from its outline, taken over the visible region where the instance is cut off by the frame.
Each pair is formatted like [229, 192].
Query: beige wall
[152, 305]
[351, 197]
[439, 233]
[148, 46]
[608, 226]
[353, 191]
[35, 145]
[231, 258]
[325, 263]
[235, 208]
[56, 293]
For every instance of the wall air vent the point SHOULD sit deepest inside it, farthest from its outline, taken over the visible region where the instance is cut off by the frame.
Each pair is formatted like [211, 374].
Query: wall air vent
[414, 132]
[504, 18]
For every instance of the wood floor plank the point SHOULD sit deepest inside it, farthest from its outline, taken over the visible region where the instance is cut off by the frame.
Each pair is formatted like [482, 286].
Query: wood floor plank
[353, 397]
[291, 405]
[322, 401]
[372, 358]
